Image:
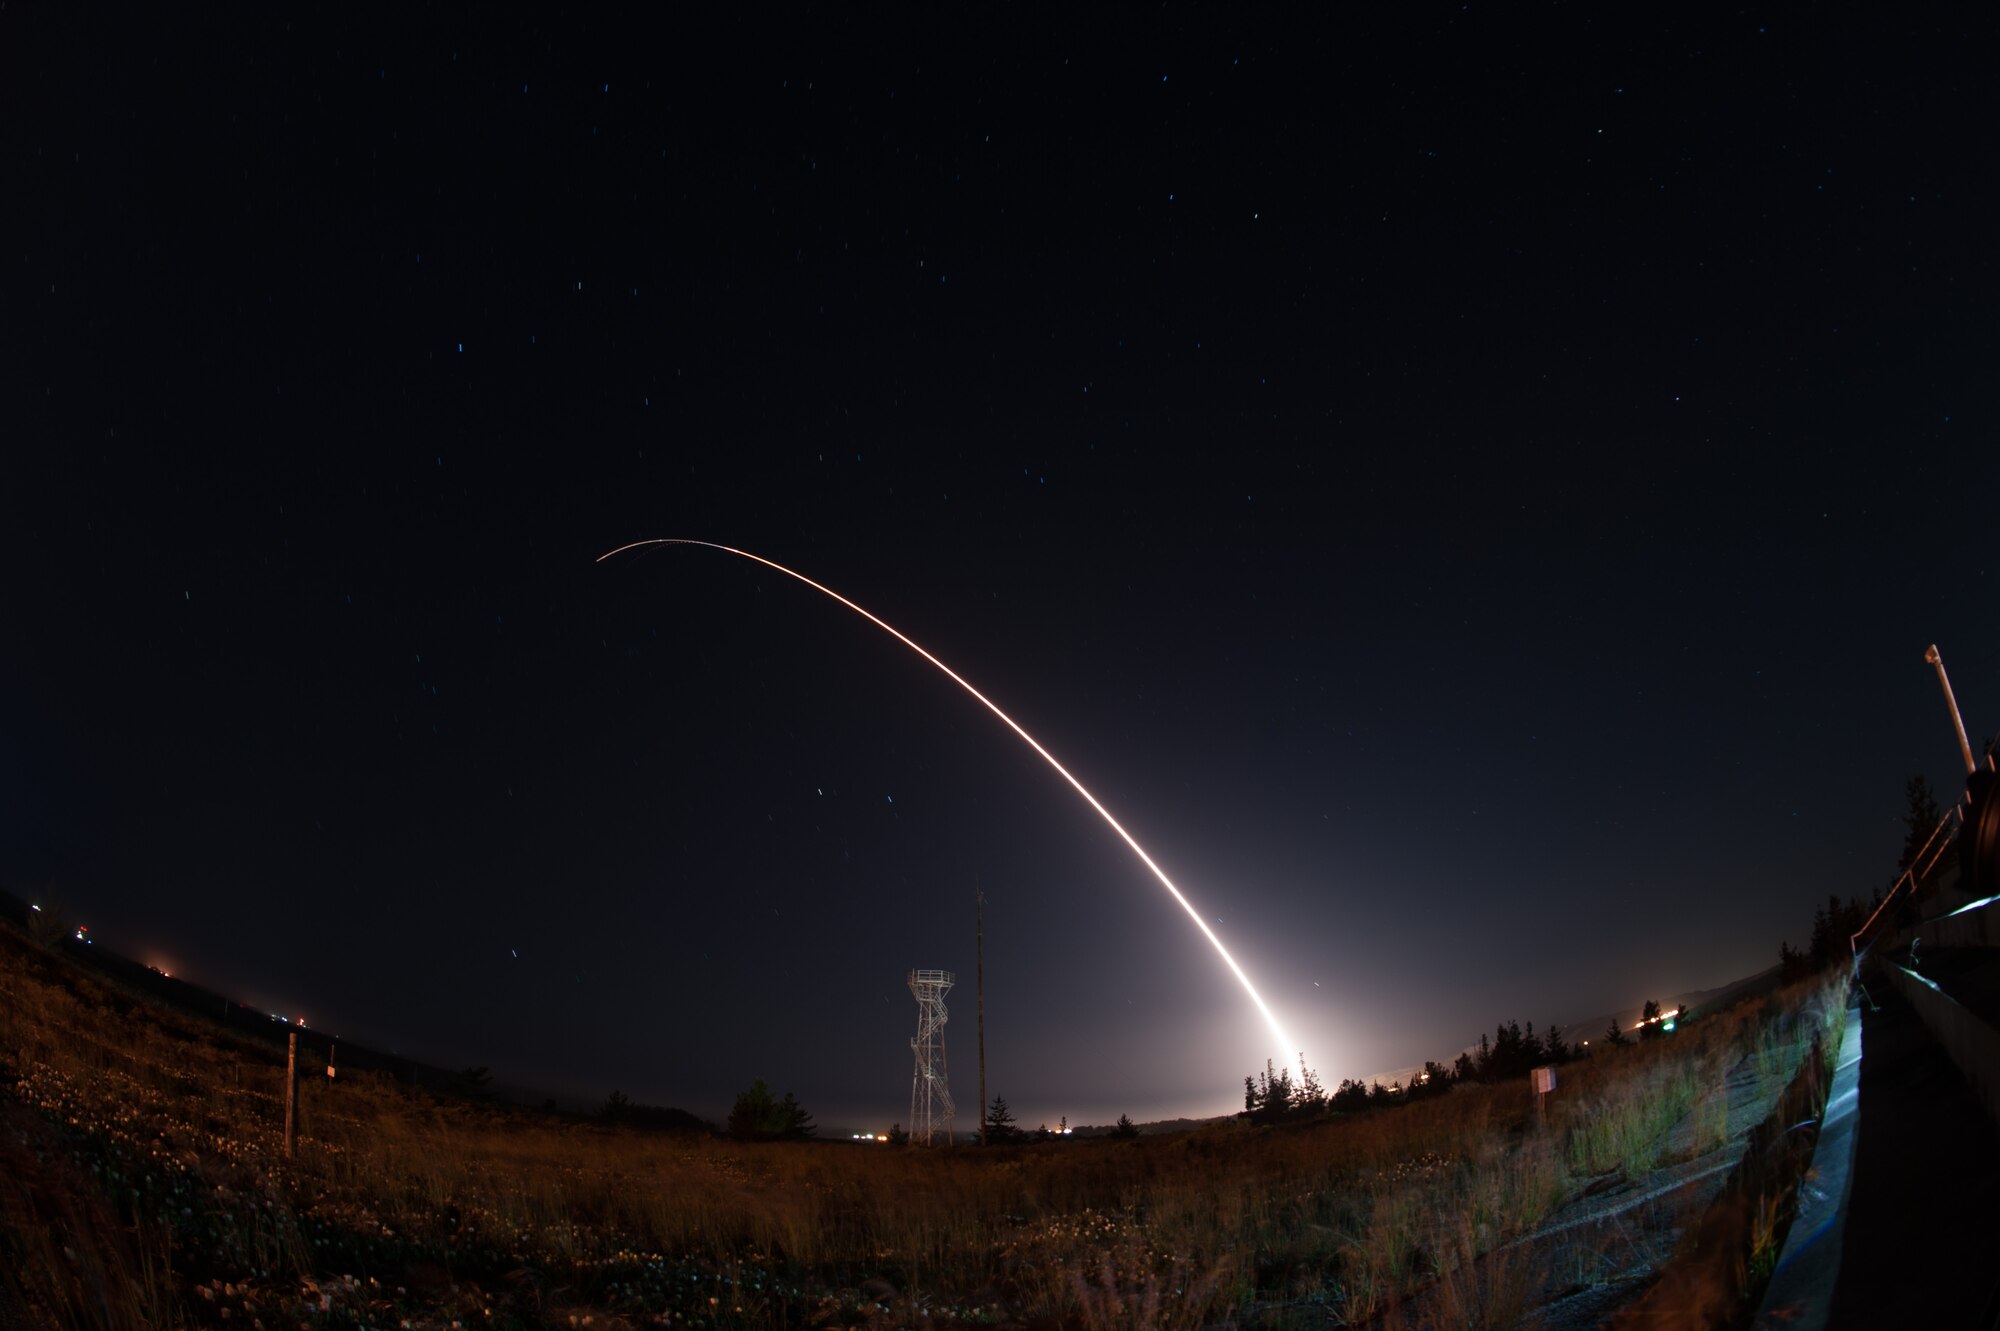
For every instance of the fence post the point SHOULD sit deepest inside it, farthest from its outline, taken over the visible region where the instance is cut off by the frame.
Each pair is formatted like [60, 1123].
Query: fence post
[291, 1090]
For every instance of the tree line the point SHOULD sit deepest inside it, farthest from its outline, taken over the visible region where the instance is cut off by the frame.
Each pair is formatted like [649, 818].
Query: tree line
[759, 1114]
[1509, 1054]
[1001, 1128]
[1835, 922]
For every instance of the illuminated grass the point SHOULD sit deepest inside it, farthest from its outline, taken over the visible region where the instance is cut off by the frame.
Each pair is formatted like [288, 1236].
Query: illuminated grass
[404, 1207]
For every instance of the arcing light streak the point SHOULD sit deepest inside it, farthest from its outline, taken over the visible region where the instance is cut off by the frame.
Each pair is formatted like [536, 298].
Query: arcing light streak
[1285, 1047]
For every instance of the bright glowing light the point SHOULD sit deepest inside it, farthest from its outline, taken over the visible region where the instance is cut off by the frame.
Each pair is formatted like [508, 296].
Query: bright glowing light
[1285, 1045]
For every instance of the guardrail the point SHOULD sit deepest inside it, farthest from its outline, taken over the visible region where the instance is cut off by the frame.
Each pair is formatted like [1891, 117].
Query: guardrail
[1954, 818]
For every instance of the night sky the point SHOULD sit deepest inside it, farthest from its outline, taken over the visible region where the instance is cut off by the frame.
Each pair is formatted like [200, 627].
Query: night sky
[1470, 493]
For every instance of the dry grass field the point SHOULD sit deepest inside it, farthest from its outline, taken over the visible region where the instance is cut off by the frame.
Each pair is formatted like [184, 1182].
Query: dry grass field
[143, 1184]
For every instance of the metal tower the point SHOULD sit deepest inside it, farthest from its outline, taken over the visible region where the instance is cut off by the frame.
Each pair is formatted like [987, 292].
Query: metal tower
[930, 1086]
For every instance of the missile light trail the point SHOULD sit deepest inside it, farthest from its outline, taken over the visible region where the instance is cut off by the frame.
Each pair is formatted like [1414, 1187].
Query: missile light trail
[1285, 1046]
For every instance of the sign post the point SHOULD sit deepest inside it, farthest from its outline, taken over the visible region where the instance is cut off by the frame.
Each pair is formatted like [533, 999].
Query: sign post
[1543, 1080]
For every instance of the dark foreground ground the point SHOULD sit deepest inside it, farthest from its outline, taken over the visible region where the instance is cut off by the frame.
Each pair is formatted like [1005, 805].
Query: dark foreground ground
[1922, 1241]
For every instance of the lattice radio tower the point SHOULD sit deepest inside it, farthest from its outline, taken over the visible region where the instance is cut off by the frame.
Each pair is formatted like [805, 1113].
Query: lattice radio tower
[930, 1086]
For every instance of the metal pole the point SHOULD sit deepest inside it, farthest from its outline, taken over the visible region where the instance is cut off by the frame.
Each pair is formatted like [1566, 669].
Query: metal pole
[291, 1089]
[979, 918]
[1964, 745]
[944, 1075]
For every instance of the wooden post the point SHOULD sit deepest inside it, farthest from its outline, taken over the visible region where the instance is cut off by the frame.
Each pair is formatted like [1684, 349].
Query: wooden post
[979, 931]
[291, 1090]
[331, 1050]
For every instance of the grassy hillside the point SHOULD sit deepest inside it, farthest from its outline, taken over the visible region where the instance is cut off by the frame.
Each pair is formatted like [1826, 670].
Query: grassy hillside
[143, 1184]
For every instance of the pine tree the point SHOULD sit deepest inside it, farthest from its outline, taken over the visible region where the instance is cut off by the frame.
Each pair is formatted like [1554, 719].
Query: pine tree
[473, 1083]
[758, 1115]
[1819, 945]
[48, 922]
[1920, 819]
[1269, 1097]
[1308, 1097]
[1554, 1048]
[1000, 1122]
[1126, 1127]
[798, 1124]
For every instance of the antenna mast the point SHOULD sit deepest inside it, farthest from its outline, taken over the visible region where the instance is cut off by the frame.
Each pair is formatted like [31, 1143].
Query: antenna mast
[979, 926]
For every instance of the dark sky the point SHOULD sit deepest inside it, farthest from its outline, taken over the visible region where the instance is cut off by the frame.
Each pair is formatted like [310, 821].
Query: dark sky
[1471, 493]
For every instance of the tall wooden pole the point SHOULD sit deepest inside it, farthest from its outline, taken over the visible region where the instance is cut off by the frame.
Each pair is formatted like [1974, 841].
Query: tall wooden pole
[979, 927]
[291, 1090]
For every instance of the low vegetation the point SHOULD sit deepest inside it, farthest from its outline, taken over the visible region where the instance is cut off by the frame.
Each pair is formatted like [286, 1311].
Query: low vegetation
[143, 1183]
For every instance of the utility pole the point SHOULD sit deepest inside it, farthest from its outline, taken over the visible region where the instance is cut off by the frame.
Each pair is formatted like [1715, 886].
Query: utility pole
[979, 931]
[1964, 745]
[291, 1090]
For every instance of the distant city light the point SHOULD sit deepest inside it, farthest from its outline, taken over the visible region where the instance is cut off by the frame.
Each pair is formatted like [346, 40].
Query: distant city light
[1665, 1019]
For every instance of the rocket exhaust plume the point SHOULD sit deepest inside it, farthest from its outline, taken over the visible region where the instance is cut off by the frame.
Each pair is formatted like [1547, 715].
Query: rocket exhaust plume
[1285, 1047]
